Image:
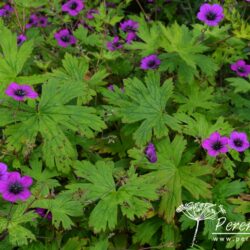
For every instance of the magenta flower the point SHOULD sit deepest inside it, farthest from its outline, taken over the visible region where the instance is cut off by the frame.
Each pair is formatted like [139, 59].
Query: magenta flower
[241, 68]
[131, 36]
[115, 44]
[20, 92]
[6, 10]
[73, 7]
[111, 87]
[238, 141]
[65, 38]
[42, 21]
[129, 26]
[15, 187]
[44, 213]
[32, 21]
[215, 144]
[210, 14]
[21, 39]
[150, 62]
[110, 5]
[3, 171]
[151, 153]
[90, 13]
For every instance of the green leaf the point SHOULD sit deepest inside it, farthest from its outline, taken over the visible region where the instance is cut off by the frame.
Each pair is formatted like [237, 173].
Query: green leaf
[104, 215]
[175, 174]
[150, 37]
[100, 244]
[62, 208]
[134, 197]
[183, 45]
[31, 4]
[75, 72]
[87, 39]
[190, 181]
[145, 103]
[225, 189]
[195, 98]
[100, 177]
[241, 85]
[197, 125]
[44, 182]
[17, 233]
[74, 243]
[145, 231]
[14, 57]
[51, 119]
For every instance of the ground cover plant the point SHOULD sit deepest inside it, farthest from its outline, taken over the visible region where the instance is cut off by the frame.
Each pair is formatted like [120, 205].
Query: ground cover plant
[124, 124]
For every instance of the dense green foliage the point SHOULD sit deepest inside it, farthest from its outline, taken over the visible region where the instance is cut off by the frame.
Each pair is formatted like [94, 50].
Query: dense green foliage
[84, 144]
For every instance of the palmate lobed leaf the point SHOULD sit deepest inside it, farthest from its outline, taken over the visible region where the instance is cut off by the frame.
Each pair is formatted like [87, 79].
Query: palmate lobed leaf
[14, 56]
[150, 35]
[145, 103]
[18, 234]
[104, 215]
[63, 207]
[52, 119]
[100, 177]
[194, 98]
[145, 232]
[85, 38]
[75, 72]
[225, 189]
[198, 125]
[241, 85]
[185, 53]
[133, 197]
[175, 174]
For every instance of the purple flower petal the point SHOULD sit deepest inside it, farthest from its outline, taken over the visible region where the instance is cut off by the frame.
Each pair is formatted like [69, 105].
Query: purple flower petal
[238, 141]
[151, 153]
[73, 7]
[211, 14]
[15, 187]
[115, 44]
[20, 92]
[26, 181]
[64, 38]
[150, 62]
[215, 144]
[241, 68]
[129, 26]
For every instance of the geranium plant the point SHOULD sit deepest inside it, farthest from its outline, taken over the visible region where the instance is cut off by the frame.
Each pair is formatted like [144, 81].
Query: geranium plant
[115, 116]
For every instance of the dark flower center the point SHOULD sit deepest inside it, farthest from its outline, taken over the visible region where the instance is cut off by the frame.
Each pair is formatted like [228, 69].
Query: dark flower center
[151, 64]
[19, 40]
[65, 39]
[73, 6]
[31, 20]
[129, 29]
[217, 145]
[241, 70]
[211, 16]
[20, 92]
[15, 188]
[238, 143]
[116, 45]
